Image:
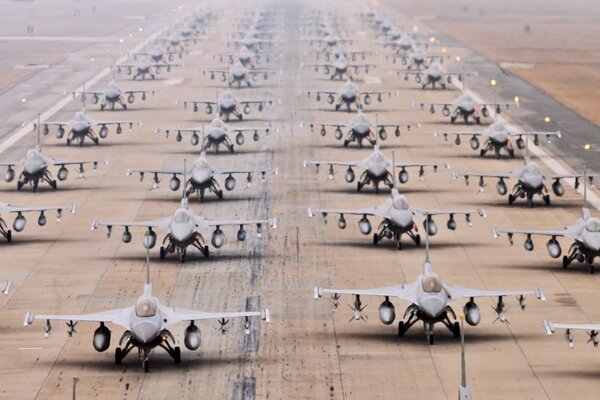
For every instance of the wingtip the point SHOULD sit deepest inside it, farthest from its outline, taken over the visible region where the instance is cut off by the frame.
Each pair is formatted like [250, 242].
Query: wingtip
[318, 292]
[548, 327]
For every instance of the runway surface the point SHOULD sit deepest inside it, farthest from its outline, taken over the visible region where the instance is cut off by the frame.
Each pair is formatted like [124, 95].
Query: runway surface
[309, 350]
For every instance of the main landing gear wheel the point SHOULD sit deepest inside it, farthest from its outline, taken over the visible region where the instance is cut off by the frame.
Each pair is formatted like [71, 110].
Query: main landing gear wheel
[206, 251]
[146, 366]
[398, 244]
[547, 199]
[511, 199]
[163, 252]
[418, 240]
[220, 194]
[118, 356]
[511, 153]
[177, 355]
[95, 140]
[375, 239]
[53, 184]
[182, 256]
[9, 236]
[430, 339]
[565, 262]
[401, 328]
[456, 329]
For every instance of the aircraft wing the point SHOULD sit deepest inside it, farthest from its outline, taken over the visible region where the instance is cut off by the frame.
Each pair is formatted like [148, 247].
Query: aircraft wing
[9, 208]
[332, 163]
[406, 292]
[592, 329]
[11, 164]
[176, 315]
[162, 223]
[457, 292]
[571, 232]
[123, 122]
[258, 222]
[376, 211]
[89, 92]
[466, 213]
[119, 316]
[256, 102]
[52, 161]
[142, 172]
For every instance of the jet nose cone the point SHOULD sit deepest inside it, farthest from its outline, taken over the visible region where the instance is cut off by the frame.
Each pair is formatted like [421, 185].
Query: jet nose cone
[180, 233]
[31, 167]
[433, 306]
[534, 180]
[144, 331]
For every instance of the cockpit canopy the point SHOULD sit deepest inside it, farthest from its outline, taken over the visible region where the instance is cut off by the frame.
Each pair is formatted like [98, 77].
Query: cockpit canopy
[33, 155]
[533, 168]
[182, 217]
[467, 97]
[145, 306]
[377, 157]
[348, 85]
[112, 85]
[592, 225]
[80, 115]
[432, 283]
[218, 123]
[200, 163]
[361, 118]
[499, 127]
[400, 202]
[227, 94]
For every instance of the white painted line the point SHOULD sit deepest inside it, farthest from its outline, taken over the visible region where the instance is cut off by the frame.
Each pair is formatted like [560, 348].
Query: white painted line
[372, 80]
[14, 138]
[173, 81]
[88, 39]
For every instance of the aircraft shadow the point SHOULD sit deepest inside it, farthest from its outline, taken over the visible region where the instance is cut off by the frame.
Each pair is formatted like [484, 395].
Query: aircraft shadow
[368, 191]
[42, 189]
[553, 265]
[502, 202]
[211, 153]
[415, 336]
[208, 199]
[407, 244]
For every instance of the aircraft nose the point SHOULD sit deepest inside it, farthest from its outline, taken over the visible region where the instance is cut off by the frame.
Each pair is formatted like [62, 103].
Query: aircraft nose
[180, 233]
[144, 331]
[432, 305]
[200, 176]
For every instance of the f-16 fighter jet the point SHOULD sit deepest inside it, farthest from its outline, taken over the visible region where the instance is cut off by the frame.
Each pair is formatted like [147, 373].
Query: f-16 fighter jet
[340, 68]
[398, 218]
[146, 325]
[113, 95]
[144, 68]
[360, 129]
[218, 133]
[82, 126]
[184, 229]
[239, 74]
[228, 105]
[430, 302]
[433, 75]
[202, 177]
[530, 182]
[376, 170]
[348, 95]
[465, 107]
[498, 137]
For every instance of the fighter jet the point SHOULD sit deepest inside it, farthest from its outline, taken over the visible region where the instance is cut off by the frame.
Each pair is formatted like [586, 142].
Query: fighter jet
[591, 329]
[434, 74]
[336, 53]
[81, 126]
[146, 325]
[229, 105]
[20, 220]
[246, 57]
[145, 68]
[360, 128]
[238, 74]
[397, 219]
[202, 177]
[375, 168]
[159, 55]
[184, 229]
[430, 300]
[498, 136]
[113, 95]
[218, 133]
[339, 68]
[330, 41]
[585, 233]
[175, 42]
[530, 181]
[251, 43]
[465, 108]
[36, 169]
[417, 59]
[348, 95]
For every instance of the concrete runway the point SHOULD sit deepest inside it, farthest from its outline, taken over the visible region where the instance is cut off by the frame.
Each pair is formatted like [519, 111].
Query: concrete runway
[308, 351]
